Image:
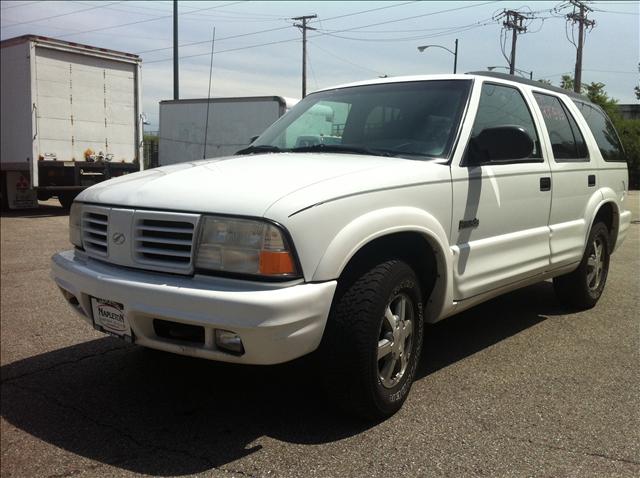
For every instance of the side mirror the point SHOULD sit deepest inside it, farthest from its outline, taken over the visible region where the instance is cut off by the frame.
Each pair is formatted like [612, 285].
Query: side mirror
[500, 143]
[253, 138]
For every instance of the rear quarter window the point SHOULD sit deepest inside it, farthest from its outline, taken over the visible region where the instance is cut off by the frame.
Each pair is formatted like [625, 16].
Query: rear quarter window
[567, 141]
[603, 131]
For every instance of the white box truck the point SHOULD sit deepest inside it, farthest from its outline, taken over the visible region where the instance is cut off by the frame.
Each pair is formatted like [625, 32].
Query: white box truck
[70, 118]
[232, 123]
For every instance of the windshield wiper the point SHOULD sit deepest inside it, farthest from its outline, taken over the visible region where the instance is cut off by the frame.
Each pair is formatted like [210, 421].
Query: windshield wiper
[260, 148]
[342, 148]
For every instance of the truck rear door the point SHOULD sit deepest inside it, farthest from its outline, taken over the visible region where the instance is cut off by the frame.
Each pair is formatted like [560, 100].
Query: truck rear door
[84, 104]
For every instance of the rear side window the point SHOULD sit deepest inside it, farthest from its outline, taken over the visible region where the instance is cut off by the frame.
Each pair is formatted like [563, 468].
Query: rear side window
[603, 131]
[567, 141]
[504, 105]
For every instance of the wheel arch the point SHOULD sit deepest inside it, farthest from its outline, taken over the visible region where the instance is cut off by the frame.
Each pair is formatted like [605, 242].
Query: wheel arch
[608, 212]
[409, 234]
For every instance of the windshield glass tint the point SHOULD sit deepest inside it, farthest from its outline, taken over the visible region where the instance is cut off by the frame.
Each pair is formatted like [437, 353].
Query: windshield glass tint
[417, 120]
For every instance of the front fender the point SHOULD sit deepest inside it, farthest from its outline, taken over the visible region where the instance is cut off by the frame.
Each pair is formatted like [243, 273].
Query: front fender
[382, 222]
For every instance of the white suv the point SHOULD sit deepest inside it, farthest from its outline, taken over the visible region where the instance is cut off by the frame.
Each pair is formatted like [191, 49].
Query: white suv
[365, 211]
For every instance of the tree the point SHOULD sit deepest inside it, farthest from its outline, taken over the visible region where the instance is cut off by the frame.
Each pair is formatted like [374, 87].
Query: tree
[637, 90]
[595, 92]
[546, 82]
[567, 82]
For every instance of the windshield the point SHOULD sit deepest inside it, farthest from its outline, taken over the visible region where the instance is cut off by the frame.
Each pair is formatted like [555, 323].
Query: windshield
[416, 120]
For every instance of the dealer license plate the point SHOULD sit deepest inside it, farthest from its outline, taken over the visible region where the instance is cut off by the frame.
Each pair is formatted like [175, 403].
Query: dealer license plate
[109, 317]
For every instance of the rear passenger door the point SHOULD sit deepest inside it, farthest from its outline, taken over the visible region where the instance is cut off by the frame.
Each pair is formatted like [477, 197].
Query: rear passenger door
[574, 179]
[499, 228]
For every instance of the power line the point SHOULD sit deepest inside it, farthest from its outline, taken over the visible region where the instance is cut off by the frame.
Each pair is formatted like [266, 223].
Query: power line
[277, 42]
[319, 34]
[143, 21]
[60, 15]
[445, 32]
[187, 9]
[21, 5]
[616, 11]
[368, 11]
[345, 60]
[276, 29]
[145, 11]
[419, 16]
[240, 35]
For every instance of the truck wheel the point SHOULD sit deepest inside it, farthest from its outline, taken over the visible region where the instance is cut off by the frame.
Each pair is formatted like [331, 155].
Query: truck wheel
[373, 339]
[583, 287]
[66, 198]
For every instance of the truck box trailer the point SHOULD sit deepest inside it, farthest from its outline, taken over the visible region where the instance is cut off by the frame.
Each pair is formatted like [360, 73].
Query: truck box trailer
[187, 135]
[70, 118]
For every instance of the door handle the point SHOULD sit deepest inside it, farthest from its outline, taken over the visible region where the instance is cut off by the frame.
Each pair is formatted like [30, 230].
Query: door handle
[591, 180]
[545, 184]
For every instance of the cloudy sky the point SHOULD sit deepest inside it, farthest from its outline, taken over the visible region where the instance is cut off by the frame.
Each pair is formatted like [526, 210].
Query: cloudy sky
[258, 49]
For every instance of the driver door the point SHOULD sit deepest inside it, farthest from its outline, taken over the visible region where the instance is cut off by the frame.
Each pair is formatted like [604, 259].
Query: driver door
[499, 227]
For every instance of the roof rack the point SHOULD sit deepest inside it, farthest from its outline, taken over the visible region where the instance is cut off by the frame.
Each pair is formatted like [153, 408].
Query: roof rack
[537, 84]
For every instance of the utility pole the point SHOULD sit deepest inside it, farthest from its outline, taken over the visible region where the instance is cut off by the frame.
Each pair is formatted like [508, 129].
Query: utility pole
[514, 22]
[304, 27]
[455, 58]
[176, 85]
[579, 16]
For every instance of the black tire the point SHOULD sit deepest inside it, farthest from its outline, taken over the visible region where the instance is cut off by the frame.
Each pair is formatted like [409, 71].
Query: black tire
[581, 289]
[357, 328]
[66, 198]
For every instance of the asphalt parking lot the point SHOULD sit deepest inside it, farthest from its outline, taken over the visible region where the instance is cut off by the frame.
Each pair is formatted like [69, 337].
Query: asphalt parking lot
[518, 386]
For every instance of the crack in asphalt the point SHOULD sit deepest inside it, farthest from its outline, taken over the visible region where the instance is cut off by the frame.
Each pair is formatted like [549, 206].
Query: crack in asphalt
[577, 452]
[488, 429]
[8, 380]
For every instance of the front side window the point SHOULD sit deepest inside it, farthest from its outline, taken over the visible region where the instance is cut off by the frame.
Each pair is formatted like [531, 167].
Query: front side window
[415, 120]
[567, 141]
[603, 132]
[502, 105]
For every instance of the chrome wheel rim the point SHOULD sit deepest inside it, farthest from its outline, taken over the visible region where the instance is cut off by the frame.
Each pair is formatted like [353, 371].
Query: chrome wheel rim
[395, 340]
[595, 264]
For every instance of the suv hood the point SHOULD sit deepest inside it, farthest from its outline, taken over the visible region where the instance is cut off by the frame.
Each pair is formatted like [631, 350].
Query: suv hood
[241, 185]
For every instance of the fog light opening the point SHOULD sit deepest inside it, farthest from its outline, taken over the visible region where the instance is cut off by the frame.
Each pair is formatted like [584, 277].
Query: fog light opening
[229, 342]
[72, 299]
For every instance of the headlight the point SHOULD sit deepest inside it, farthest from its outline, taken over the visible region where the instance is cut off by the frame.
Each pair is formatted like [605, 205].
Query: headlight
[75, 223]
[244, 246]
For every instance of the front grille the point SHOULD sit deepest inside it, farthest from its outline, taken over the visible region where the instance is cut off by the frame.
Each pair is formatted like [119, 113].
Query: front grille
[162, 242]
[94, 233]
[151, 240]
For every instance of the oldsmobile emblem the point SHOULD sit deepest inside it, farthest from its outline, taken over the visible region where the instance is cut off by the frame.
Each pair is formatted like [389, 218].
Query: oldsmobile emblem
[118, 238]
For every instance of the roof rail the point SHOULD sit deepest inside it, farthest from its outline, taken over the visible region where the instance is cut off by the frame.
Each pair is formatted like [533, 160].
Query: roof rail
[537, 84]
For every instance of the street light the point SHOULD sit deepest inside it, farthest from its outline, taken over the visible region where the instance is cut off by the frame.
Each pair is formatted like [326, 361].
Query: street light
[522, 72]
[454, 53]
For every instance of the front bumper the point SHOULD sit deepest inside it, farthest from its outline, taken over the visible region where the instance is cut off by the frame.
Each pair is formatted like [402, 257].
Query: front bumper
[277, 322]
